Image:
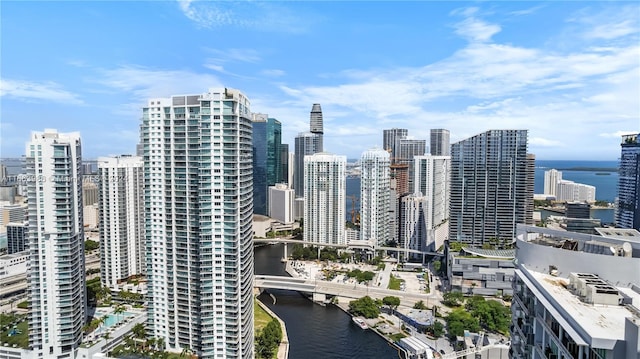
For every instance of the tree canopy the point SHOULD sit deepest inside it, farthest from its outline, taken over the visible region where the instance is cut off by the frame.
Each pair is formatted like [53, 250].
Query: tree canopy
[365, 307]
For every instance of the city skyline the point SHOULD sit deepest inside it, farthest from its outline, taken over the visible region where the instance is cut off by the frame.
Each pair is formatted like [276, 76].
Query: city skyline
[470, 70]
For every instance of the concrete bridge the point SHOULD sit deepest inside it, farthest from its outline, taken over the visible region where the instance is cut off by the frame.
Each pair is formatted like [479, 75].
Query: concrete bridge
[320, 289]
[350, 246]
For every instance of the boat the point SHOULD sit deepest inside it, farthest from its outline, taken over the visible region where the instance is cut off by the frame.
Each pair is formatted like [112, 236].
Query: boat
[360, 322]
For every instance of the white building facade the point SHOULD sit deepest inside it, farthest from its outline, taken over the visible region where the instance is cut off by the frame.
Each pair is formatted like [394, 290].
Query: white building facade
[281, 203]
[56, 276]
[324, 198]
[575, 295]
[121, 208]
[199, 209]
[413, 226]
[431, 178]
[551, 179]
[569, 191]
[374, 196]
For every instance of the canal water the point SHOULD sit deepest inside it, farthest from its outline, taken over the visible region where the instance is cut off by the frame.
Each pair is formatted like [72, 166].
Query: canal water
[315, 331]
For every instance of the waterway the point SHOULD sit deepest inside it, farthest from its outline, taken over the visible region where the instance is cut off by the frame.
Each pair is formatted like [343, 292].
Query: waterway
[316, 331]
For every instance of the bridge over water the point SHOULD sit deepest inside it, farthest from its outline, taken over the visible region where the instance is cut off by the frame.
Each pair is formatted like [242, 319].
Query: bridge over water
[350, 246]
[321, 289]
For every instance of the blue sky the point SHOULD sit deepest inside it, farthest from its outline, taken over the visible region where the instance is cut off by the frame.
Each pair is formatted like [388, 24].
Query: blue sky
[569, 72]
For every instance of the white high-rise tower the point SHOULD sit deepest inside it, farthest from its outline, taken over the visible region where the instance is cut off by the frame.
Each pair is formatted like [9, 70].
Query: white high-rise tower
[431, 179]
[57, 290]
[551, 179]
[121, 204]
[324, 194]
[374, 196]
[199, 209]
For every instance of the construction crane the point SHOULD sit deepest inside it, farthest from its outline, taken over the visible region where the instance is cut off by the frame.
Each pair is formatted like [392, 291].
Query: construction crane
[355, 214]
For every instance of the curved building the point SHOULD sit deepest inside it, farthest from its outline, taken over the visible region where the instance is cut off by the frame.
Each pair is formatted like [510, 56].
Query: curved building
[576, 295]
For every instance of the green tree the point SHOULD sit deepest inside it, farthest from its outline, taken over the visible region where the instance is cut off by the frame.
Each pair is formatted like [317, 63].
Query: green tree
[452, 299]
[437, 265]
[90, 245]
[139, 331]
[365, 307]
[436, 329]
[267, 341]
[391, 301]
[460, 320]
[419, 305]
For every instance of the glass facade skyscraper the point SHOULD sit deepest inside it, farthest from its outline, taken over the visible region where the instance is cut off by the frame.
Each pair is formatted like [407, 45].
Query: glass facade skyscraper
[57, 289]
[491, 187]
[374, 196]
[267, 164]
[628, 212]
[199, 209]
[306, 143]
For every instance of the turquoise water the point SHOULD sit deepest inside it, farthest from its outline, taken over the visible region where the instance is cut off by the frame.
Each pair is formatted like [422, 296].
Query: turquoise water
[113, 319]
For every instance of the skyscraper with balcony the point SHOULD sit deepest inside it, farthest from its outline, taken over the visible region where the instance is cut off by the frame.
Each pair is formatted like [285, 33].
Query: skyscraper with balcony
[306, 143]
[324, 194]
[198, 205]
[551, 179]
[57, 291]
[390, 140]
[432, 180]
[121, 225]
[267, 138]
[439, 142]
[374, 196]
[491, 187]
[628, 212]
[316, 125]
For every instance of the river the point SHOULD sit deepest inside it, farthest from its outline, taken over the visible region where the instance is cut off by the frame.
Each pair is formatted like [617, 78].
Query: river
[316, 331]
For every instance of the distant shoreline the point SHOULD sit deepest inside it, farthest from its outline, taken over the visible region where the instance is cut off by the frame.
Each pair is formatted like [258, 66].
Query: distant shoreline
[588, 169]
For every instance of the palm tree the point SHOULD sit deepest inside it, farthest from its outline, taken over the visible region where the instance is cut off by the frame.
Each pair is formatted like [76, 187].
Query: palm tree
[101, 321]
[119, 310]
[186, 351]
[139, 331]
[160, 343]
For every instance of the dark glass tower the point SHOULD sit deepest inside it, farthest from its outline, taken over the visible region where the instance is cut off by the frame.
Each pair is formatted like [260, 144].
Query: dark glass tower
[440, 142]
[491, 187]
[316, 124]
[307, 143]
[628, 212]
[267, 171]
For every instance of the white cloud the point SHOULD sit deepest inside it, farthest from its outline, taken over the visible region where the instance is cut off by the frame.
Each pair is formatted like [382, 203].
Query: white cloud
[263, 16]
[40, 91]
[564, 98]
[618, 134]
[272, 72]
[145, 83]
[613, 31]
[473, 28]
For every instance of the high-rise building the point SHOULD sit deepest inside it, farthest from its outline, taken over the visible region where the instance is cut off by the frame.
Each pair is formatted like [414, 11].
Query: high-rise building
[431, 179]
[628, 212]
[89, 193]
[316, 125]
[491, 187]
[324, 198]
[551, 179]
[307, 143]
[281, 199]
[267, 138]
[569, 191]
[439, 142]
[56, 279]
[412, 222]
[121, 208]
[374, 196]
[284, 164]
[390, 141]
[576, 295]
[17, 240]
[407, 149]
[15, 213]
[198, 215]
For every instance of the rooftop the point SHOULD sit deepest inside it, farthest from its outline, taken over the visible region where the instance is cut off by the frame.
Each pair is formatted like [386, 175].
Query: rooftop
[598, 321]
